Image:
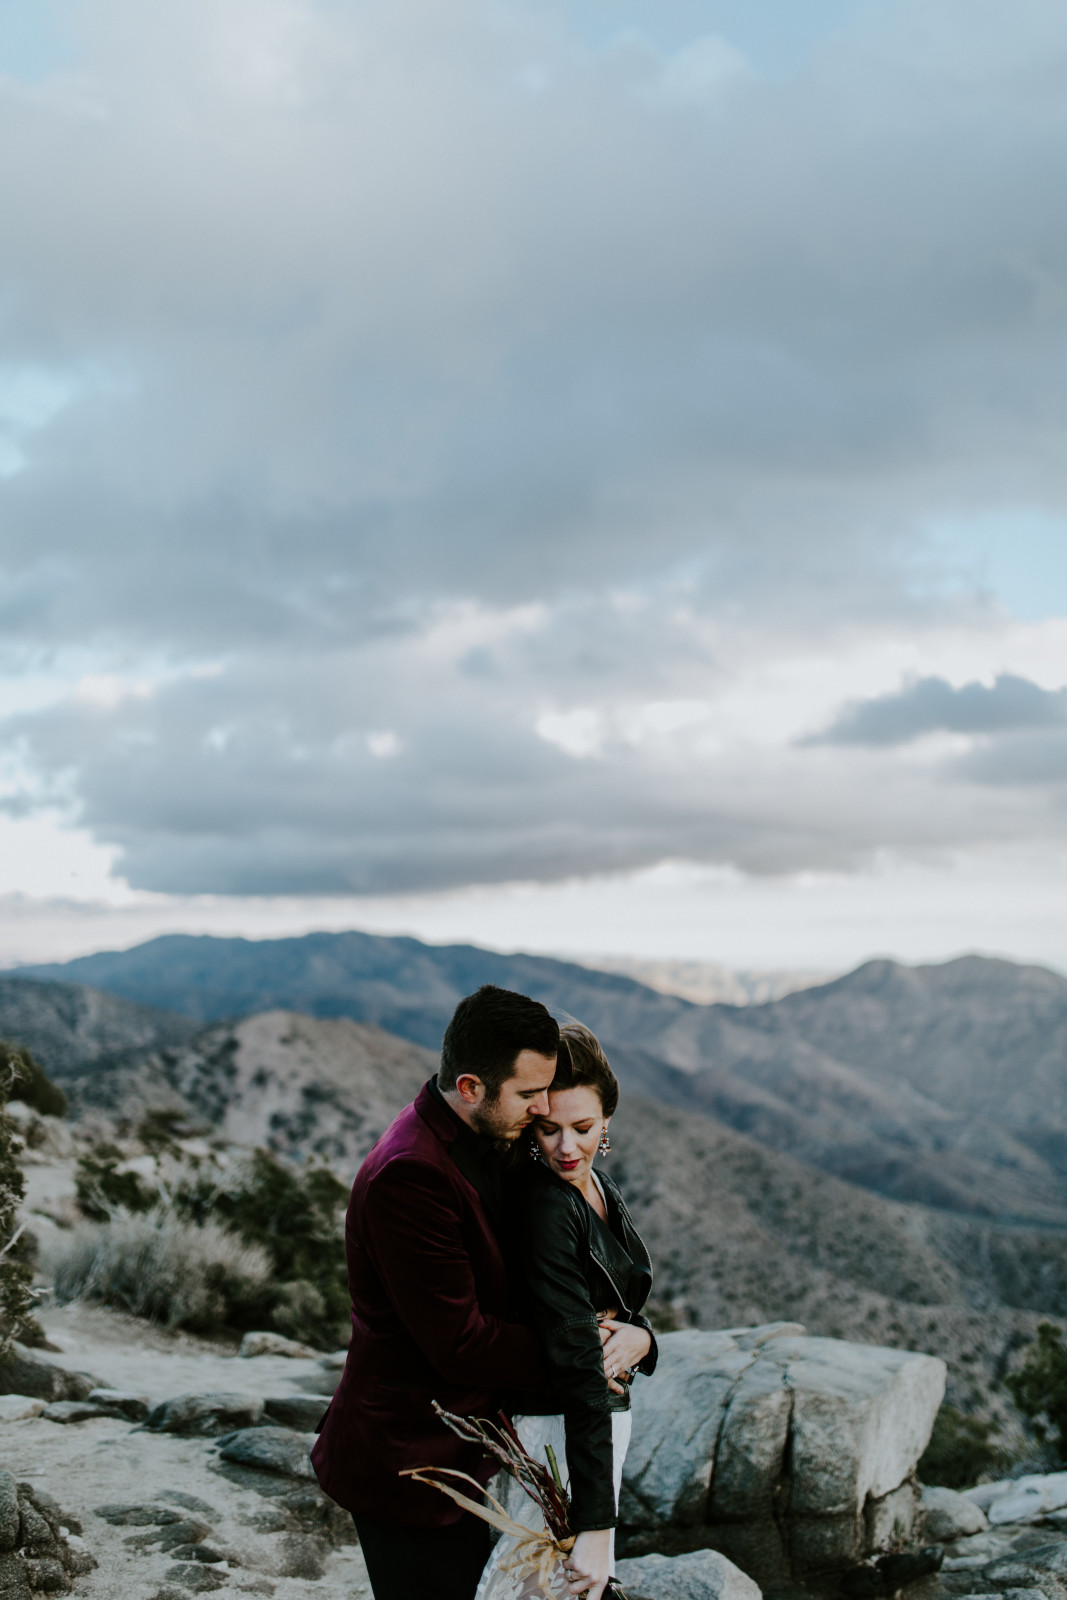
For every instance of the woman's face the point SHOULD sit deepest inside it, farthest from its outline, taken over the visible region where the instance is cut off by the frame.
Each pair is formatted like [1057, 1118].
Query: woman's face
[569, 1135]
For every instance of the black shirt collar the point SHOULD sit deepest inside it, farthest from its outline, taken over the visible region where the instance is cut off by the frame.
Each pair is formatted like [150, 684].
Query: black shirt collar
[477, 1158]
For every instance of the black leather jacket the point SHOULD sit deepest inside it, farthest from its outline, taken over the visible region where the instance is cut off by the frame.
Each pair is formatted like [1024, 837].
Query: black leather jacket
[573, 1266]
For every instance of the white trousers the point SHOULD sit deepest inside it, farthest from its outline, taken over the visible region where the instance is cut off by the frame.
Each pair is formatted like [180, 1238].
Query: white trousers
[536, 1434]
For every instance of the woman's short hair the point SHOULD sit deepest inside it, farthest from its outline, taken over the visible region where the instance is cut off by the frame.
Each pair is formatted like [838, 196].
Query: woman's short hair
[581, 1061]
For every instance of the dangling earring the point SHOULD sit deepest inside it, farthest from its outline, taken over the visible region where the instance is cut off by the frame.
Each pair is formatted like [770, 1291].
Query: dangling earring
[532, 1150]
[604, 1146]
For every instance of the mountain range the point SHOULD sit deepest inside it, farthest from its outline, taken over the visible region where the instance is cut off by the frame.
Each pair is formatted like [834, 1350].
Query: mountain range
[737, 1143]
[943, 1085]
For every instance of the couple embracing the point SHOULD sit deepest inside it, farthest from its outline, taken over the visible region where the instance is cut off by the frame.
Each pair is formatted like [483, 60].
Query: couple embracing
[490, 1267]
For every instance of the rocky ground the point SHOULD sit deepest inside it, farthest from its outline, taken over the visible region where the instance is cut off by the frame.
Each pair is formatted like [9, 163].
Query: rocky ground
[1018, 1561]
[165, 1515]
[146, 1499]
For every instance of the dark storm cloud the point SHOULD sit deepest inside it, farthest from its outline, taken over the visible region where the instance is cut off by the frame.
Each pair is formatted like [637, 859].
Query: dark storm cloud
[932, 706]
[368, 321]
[413, 379]
[1023, 760]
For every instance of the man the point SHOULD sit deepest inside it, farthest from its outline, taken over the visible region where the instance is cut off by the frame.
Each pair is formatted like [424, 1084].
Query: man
[429, 1300]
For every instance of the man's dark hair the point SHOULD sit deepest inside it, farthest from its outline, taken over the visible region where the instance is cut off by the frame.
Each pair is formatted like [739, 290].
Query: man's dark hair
[487, 1033]
[581, 1061]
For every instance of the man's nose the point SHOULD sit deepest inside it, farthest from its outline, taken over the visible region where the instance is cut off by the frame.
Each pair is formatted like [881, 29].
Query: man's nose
[539, 1107]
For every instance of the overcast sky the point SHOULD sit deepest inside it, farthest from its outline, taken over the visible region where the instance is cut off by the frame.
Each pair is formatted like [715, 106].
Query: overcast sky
[585, 476]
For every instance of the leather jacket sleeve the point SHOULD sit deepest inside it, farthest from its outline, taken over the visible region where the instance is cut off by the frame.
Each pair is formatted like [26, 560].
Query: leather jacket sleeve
[554, 1250]
[649, 1362]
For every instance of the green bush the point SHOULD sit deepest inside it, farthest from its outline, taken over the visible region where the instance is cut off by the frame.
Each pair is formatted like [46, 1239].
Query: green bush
[32, 1084]
[159, 1129]
[16, 1268]
[289, 1219]
[1039, 1388]
[300, 1311]
[961, 1450]
[103, 1190]
[294, 1216]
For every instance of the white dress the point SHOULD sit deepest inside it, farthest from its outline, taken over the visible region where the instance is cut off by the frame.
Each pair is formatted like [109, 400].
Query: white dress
[536, 1434]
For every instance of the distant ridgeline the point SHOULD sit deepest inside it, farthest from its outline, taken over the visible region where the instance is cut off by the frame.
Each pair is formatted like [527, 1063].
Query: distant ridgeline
[944, 1085]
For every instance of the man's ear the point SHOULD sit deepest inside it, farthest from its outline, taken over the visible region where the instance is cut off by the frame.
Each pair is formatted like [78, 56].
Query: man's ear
[470, 1088]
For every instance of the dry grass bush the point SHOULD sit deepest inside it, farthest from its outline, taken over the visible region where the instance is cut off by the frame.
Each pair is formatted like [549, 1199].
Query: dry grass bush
[159, 1266]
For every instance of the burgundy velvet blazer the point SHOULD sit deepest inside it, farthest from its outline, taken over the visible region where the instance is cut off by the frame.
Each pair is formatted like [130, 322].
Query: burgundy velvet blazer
[429, 1322]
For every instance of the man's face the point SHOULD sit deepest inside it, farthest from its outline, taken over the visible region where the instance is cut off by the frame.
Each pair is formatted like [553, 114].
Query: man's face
[522, 1098]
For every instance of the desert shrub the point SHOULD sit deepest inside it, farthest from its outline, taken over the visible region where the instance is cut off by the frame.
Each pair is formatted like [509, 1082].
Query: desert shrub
[160, 1129]
[299, 1311]
[163, 1267]
[294, 1216]
[1039, 1388]
[102, 1189]
[961, 1450]
[16, 1270]
[32, 1084]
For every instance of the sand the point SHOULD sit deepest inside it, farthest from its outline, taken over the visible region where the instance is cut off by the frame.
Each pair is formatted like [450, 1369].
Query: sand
[104, 1461]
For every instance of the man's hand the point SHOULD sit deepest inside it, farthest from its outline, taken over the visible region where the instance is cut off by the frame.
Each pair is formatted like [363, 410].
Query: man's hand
[588, 1566]
[627, 1344]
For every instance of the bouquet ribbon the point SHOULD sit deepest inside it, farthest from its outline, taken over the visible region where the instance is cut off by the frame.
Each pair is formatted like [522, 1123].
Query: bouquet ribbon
[536, 1553]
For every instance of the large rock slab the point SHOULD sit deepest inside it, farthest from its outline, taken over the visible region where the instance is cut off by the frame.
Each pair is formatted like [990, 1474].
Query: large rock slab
[948, 1515]
[1028, 1498]
[76, 1411]
[275, 1344]
[270, 1450]
[301, 1412]
[133, 1406]
[862, 1417]
[9, 1511]
[792, 1455]
[18, 1407]
[26, 1373]
[14, 1578]
[209, 1415]
[983, 1494]
[677, 1416]
[699, 1575]
[40, 1551]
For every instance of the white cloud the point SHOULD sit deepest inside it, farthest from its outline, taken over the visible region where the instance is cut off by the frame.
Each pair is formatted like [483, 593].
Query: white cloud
[384, 744]
[579, 733]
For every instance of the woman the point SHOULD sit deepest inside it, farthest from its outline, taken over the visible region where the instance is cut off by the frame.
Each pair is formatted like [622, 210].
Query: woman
[584, 1269]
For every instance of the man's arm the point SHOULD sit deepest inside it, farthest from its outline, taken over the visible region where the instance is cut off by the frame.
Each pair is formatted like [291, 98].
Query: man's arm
[415, 1237]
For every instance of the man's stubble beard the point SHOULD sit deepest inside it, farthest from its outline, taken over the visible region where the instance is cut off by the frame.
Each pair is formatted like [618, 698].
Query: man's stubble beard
[494, 1128]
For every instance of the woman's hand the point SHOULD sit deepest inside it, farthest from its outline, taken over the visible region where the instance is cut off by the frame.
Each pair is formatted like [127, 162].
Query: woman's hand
[588, 1566]
[627, 1344]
